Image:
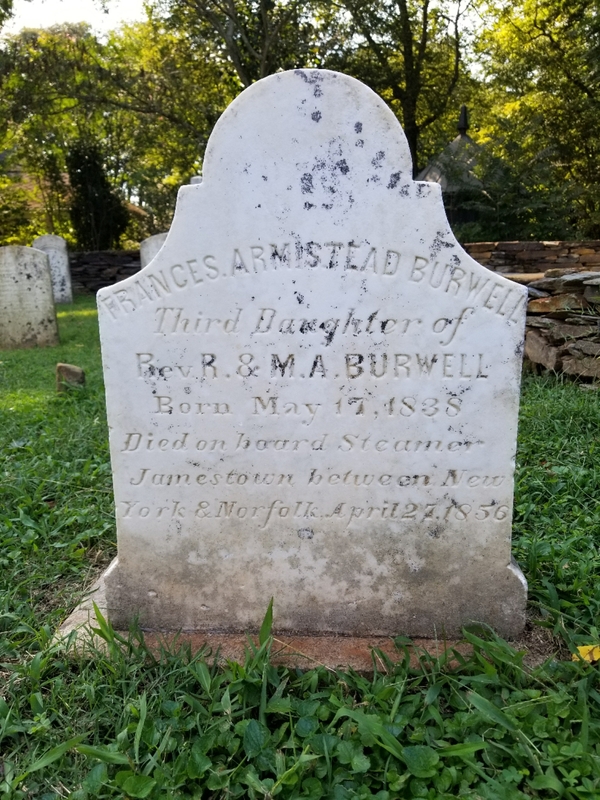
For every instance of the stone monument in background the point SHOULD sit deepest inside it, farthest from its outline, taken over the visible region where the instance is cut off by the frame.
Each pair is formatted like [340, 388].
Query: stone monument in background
[55, 248]
[150, 247]
[313, 391]
[27, 315]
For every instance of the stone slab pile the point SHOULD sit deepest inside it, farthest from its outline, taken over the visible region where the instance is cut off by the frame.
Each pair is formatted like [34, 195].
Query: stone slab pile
[563, 322]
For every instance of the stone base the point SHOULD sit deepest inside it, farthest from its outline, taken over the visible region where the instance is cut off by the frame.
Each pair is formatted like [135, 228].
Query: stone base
[288, 650]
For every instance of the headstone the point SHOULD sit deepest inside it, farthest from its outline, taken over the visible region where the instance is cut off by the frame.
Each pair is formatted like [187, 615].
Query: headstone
[27, 315]
[150, 247]
[55, 248]
[313, 391]
[68, 376]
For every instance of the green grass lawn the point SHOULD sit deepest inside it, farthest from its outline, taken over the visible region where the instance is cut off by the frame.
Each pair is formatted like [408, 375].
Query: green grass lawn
[125, 724]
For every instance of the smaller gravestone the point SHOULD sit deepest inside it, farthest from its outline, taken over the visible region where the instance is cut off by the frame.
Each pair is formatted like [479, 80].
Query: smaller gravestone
[68, 376]
[150, 247]
[55, 248]
[27, 315]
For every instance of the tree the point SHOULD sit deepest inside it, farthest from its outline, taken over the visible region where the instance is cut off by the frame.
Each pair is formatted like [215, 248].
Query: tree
[541, 67]
[5, 11]
[97, 213]
[258, 37]
[148, 97]
[409, 51]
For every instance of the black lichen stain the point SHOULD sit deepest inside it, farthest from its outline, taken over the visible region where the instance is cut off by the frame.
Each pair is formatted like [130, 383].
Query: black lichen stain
[358, 127]
[306, 183]
[306, 533]
[318, 92]
[299, 297]
[435, 532]
[308, 206]
[343, 166]
[376, 162]
[439, 243]
[359, 143]
[394, 180]
[316, 116]
[313, 77]
[264, 177]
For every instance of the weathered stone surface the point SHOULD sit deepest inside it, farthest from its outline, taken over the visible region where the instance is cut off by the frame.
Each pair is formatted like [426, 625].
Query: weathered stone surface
[584, 348]
[313, 390]
[546, 284]
[68, 375]
[150, 247]
[27, 315]
[588, 319]
[535, 293]
[586, 367]
[562, 303]
[564, 283]
[592, 294]
[558, 271]
[55, 248]
[523, 277]
[539, 351]
[559, 332]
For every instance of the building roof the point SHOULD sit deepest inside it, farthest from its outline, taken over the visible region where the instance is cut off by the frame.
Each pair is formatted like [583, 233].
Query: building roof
[453, 167]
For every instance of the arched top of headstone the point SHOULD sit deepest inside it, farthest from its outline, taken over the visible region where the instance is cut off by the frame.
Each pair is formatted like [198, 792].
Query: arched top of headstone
[49, 241]
[327, 133]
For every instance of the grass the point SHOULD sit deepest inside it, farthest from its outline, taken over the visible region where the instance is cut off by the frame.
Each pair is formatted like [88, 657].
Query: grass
[125, 723]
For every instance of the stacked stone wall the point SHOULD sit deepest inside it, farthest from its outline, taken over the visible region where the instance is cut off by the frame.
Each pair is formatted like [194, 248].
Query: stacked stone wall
[526, 257]
[93, 271]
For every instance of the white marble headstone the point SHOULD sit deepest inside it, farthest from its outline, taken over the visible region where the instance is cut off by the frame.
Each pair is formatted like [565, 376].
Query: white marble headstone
[313, 390]
[55, 248]
[27, 315]
[150, 247]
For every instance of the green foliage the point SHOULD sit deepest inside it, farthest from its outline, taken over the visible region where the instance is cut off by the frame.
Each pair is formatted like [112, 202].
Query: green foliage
[124, 721]
[16, 215]
[542, 92]
[97, 213]
[5, 11]
[411, 54]
[256, 37]
[152, 92]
